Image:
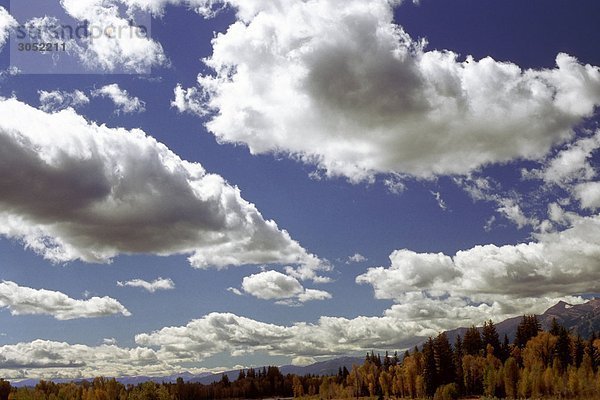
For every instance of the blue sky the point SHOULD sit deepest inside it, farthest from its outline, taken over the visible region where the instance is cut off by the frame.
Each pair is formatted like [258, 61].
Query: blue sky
[465, 186]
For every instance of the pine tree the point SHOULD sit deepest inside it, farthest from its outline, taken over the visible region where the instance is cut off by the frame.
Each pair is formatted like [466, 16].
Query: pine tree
[505, 349]
[386, 361]
[555, 327]
[4, 389]
[578, 351]
[345, 372]
[241, 375]
[563, 347]
[490, 336]
[458, 367]
[591, 351]
[429, 368]
[472, 343]
[443, 359]
[527, 329]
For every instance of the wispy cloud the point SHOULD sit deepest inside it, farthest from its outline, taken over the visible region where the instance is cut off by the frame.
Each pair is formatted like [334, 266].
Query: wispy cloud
[59, 100]
[157, 284]
[124, 102]
[356, 258]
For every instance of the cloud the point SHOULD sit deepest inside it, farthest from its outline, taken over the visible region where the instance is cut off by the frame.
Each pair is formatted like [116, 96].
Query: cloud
[235, 291]
[439, 200]
[125, 103]
[22, 300]
[508, 205]
[8, 72]
[409, 271]
[57, 100]
[313, 294]
[337, 84]
[188, 100]
[510, 209]
[571, 164]
[494, 280]
[270, 285]
[303, 361]
[7, 22]
[395, 184]
[226, 332]
[45, 358]
[110, 341]
[157, 284]
[118, 45]
[73, 190]
[356, 258]
[273, 285]
[448, 312]
[588, 194]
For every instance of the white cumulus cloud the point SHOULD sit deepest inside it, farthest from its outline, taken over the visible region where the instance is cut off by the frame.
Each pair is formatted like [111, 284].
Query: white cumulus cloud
[494, 280]
[338, 84]
[71, 189]
[226, 332]
[21, 300]
[273, 285]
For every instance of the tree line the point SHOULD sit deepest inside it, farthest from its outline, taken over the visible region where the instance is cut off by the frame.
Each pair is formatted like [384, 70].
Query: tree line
[536, 364]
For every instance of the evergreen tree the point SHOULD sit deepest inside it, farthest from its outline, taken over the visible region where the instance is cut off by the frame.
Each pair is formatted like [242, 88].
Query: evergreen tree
[578, 351]
[591, 351]
[472, 343]
[443, 359]
[527, 329]
[430, 377]
[555, 327]
[386, 361]
[225, 380]
[490, 336]
[458, 366]
[563, 347]
[4, 389]
[504, 349]
[241, 375]
[345, 372]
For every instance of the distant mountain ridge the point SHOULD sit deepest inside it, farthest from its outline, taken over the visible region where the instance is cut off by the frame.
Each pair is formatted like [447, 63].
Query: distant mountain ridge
[582, 319]
[328, 367]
